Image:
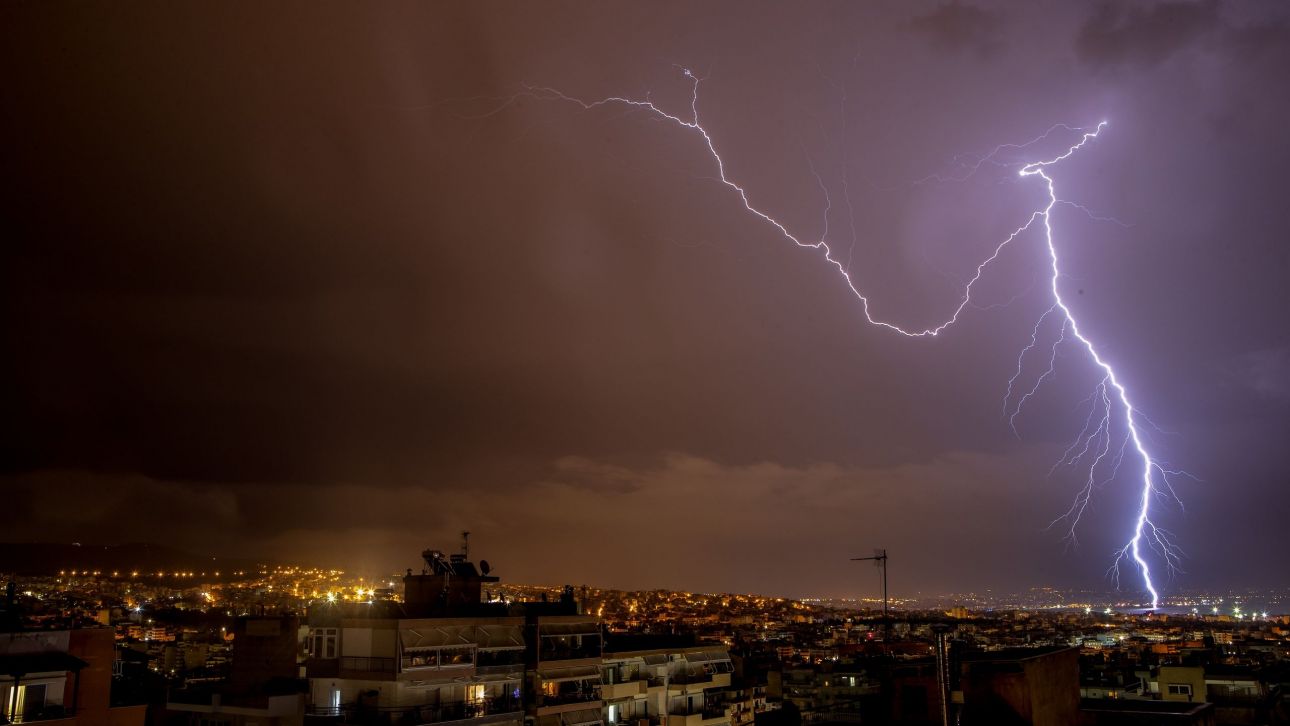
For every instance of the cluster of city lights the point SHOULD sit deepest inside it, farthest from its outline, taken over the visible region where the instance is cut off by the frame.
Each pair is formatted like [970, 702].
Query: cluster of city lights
[137, 573]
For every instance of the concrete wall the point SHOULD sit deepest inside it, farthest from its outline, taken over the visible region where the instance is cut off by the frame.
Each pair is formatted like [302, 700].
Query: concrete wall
[1193, 676]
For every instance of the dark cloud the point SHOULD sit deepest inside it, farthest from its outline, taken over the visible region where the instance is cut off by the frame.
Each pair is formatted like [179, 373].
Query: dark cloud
[1120, 33]
[286, 287]
[1267, 373]
[66, 505]
[694, 516]
[962, 27]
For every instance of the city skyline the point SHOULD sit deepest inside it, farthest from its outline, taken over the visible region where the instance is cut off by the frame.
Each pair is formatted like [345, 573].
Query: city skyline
[344, 293]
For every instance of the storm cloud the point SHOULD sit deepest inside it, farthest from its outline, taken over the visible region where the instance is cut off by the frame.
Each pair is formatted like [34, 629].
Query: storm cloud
[308, 282]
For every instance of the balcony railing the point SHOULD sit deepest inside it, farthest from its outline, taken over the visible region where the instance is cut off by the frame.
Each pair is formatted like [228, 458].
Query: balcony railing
[625, 676]
[550, 654]
[499, 670]
[47, 713]
[322, 667]
[365, 663]
[682, 679]
[571, 697]
[411, 715]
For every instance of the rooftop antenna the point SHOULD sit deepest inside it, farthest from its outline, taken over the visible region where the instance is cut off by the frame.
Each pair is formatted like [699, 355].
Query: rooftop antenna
[879, 560]
[465, 545]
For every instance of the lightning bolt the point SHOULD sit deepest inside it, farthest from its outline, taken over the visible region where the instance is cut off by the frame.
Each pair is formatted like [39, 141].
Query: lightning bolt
[1111, 407]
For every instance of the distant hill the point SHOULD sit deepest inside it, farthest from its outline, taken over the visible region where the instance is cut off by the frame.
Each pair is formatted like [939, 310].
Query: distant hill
[46, 558]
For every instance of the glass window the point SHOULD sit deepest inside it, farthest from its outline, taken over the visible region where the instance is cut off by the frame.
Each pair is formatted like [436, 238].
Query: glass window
[322, 642]
[427, 658]
[456, 656]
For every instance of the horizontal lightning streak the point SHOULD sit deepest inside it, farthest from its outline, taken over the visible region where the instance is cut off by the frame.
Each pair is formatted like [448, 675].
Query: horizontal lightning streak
[547, 93]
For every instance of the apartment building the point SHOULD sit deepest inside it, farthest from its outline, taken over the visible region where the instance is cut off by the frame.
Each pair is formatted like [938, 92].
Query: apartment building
[63, 676]
[648, 682]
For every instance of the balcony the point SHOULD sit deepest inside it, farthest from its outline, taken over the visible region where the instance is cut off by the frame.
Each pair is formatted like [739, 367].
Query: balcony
[500, 672]
[714, 713]
[695, 710]
[696, 715]
[322, 667]
[563, 699]
[615, 691]
[44, 714]
[548, 654]
[485, 711]
[367, 664]
[695, 681]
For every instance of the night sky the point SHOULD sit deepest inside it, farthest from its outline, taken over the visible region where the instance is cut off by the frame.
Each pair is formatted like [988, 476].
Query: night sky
[301, 283]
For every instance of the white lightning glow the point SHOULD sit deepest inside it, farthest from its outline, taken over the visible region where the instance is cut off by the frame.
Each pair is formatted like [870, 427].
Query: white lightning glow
[1112, 417]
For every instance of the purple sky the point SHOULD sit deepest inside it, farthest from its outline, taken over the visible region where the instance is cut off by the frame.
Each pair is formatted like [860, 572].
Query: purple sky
[297, 283]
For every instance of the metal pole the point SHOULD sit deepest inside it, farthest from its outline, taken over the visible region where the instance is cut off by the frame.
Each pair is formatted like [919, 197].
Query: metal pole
[880, 559]
[886, 620]
[943, 669]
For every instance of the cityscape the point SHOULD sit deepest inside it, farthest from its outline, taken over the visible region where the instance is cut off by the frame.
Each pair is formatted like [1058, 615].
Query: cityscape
[283, 644]
[669, 363]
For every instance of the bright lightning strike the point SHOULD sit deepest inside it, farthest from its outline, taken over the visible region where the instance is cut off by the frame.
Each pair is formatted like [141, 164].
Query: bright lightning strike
[1112, 417]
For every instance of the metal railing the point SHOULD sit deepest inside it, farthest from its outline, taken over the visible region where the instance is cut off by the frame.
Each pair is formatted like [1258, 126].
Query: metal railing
[711, 712]
[571, 697]
[366, 663]
[48, 713]
[682, 679]
[497, 670]
[550, 654]
[351, 713]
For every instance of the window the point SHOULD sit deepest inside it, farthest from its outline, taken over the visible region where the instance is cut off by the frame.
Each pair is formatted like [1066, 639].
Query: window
[27, 701]
[1180, 689]
[457, 656]
[322, 642]
[424, 658]
[499, 657]
[438, 657]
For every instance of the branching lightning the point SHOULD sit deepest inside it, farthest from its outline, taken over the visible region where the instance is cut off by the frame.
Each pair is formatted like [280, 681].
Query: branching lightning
[1113, 426]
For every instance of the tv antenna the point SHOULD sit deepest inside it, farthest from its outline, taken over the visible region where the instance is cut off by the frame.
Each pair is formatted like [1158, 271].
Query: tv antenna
[879, 560]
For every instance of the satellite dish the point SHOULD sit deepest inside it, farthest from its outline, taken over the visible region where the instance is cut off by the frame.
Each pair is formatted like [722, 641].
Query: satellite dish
[484, 567]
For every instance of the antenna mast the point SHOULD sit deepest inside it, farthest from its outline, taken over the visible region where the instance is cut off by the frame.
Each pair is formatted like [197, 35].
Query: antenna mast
[879, 559]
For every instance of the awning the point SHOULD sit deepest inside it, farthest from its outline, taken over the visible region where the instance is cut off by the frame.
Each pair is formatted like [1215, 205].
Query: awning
[584, 628]
[500, 637]
[486, 637]
[51, 661]
[656, 659]
[707, 656]
[575, 673]
[437, 636]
